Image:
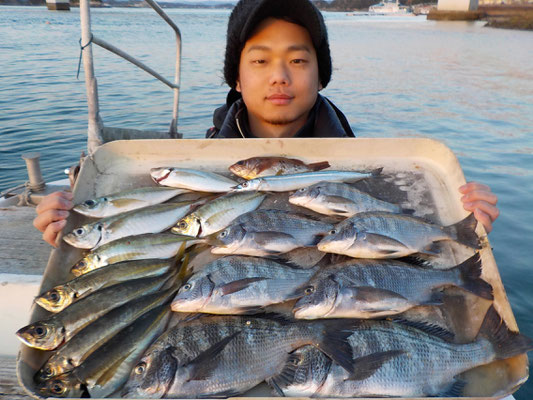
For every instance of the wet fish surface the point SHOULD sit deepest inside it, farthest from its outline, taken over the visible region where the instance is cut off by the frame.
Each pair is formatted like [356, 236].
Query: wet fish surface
[192, 179]
[267, 233]
[285, 183]
[151, 219]
[388, 235]
[217, 214]
[236, 284]
[392, 359]
[116, 203]
[255, 167]
[221, 356]
[378, 288]
[61, 296]
[337, 198]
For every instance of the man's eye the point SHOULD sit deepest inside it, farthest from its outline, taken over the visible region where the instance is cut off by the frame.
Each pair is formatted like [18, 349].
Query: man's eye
[259, 61]
[299, 61]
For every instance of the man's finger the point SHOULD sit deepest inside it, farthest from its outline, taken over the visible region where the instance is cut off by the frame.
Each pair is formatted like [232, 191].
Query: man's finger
[43, 220]
[470, 186]
[484, 219]
[51, 231]
[57, 200]
[478, 195]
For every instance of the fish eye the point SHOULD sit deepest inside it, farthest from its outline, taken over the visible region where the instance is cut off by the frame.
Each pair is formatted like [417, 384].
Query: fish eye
[82, 264]
[182, 225]
[333, 232]
[309, 290]
[296, 361]
[223, 234]
[48, 370]
[54, 296]
[99, 227]
[58, 387]
[40, 331]
[105, 199]
[187, 286]
[245, 184]
[90, 203]
[79, 231]
[302, 190]
[140, 368]
[240, 162]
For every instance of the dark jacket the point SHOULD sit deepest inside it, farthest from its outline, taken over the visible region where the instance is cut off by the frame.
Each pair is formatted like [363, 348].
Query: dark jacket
[325, 120]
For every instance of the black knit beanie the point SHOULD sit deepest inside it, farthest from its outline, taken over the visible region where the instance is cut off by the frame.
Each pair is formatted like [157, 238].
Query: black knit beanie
[247, 15]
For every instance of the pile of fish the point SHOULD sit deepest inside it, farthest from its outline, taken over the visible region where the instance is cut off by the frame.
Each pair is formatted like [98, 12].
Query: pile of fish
[284, 277]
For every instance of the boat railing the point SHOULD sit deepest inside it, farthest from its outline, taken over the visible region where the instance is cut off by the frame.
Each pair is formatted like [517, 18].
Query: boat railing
[97, 132]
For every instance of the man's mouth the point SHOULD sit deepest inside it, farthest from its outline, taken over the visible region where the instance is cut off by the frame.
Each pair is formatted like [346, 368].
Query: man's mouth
[279, 98]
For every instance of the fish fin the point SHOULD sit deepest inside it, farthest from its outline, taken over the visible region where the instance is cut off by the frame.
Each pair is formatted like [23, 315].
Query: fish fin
[110, 372]
[436, 299]
[335, 345]
[432, 249]
[471, 275]
[301, 258]
[417, 260]
[385, 245]
[337, 200]
[279, 172]
[455, 390]
[202, 366]
[251, 310]
[287, 376]
[506, 343]
[319, 165]
[366, 366]
[266, 238]
[220, 395]
[239, 285]
[464, 232]
[376, 172]
[430, 329]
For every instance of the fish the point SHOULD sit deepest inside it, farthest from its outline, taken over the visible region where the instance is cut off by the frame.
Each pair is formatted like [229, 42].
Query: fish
[52, 332]
[116, 203]
[396, 360]
[191, 179]
[147, 246]
[223, 356]
[151, 219]
[339, 199]
[379, 288]
[61, 296]
[255, 167]
[237, 284]
[94, 335]
[285, 183]
[217, 214]
[388, 235]
[106, 370]
[268, 232]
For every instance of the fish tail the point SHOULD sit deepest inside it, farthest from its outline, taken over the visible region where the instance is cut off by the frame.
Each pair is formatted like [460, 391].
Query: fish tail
[471, 275]
[464, 232]
[376, 172]
[506, 342]
[319, 165]
[335, 345]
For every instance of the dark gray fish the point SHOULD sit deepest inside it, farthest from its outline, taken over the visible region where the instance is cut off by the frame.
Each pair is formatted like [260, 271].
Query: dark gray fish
[395, 360]
[377, 288]
[221, 356]
[388, 235]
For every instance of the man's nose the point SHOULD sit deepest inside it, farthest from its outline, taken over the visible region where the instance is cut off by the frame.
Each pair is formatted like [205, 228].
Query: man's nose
[280, 74]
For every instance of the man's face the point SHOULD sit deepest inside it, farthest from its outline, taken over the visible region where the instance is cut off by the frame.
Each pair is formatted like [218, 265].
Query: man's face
[278, 78]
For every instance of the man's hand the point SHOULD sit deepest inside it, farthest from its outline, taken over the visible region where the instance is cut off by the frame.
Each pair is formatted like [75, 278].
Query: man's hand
[482, 202]
[52, 213]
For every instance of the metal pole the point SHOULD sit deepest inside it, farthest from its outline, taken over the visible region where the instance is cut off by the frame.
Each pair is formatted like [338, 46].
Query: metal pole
[37, 182]
[95, 126]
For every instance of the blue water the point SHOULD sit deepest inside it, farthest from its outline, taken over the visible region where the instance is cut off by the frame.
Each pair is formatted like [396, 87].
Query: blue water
[468, 86]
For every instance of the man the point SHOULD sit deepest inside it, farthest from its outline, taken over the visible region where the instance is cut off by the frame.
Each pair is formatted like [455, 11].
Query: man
[277, 60]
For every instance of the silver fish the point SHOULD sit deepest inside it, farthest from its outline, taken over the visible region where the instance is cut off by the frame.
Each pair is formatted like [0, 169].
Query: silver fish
[192, 179]
[335, 198]
[221, 356]
[107, 369]
[285, 183]
[234, 285]
[394, 360]
[150, 245]
[63, 295]
[50, 333]
[387, 235]
[151, 219]
[369, 289]
[94, 335]
[217, 214]
[267, 233]
[116, 203]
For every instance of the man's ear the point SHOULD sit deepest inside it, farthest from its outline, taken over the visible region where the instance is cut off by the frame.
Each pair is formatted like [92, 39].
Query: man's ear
[320, 87]
[238, 85]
